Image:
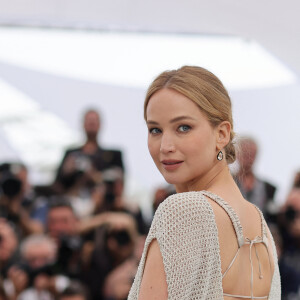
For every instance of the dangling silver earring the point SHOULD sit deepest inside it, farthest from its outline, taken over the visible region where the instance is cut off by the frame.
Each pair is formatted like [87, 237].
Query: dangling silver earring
[220, 155]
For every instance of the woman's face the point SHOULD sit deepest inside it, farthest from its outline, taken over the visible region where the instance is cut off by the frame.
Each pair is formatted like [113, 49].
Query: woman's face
[181, 140]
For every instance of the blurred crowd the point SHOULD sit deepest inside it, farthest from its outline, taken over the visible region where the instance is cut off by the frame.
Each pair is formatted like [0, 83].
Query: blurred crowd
[283, 220]
[75, 239]
[80, 239]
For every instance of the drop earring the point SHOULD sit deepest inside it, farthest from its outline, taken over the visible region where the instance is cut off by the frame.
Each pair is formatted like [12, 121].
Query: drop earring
[220, 155]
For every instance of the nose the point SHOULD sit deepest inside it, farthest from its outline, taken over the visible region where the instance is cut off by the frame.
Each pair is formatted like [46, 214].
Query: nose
[167, 144]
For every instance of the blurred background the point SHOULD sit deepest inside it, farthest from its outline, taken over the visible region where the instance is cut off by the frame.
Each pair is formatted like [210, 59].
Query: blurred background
[60, 59]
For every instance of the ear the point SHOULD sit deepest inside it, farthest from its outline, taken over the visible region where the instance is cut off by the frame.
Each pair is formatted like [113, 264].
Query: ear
[223, 134]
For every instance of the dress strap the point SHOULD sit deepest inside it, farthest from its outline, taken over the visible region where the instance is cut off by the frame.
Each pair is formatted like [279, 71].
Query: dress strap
[242, 241]
[232, 262]
[252, 243]
[232, 215]
[257, 240]
[263, 227]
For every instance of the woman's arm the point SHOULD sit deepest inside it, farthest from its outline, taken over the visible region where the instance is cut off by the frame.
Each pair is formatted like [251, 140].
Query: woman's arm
[154, 284]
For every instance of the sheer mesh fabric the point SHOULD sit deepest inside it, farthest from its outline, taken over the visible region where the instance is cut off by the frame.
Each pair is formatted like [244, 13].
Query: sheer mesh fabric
[185, 228]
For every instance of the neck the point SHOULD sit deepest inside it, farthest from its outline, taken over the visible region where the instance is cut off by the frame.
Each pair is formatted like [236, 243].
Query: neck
[209, 181]
[92, 139]
[90, 146]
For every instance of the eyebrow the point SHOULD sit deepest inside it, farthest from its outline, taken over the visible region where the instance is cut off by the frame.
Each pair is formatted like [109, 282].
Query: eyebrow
[180, 118]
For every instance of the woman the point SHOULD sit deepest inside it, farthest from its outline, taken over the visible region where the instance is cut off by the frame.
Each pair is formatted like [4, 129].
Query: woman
[199, 245]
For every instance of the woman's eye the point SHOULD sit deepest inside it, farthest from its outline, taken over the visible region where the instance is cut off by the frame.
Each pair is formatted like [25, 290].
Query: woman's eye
[154, 130]
[184, 128]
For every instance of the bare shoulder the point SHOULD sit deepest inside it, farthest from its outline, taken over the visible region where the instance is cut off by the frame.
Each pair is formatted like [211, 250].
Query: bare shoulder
[154, 284]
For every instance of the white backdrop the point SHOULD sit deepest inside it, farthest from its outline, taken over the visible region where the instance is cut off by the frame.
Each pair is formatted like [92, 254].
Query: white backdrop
[50, 80]
[275, 24]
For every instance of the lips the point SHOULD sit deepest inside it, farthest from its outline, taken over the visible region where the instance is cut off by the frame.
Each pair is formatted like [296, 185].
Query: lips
[171, 164]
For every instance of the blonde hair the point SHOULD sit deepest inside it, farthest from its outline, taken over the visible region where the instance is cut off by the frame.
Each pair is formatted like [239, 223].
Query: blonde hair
[203, 88]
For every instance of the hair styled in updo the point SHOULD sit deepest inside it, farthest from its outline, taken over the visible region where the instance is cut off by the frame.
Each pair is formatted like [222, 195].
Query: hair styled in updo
[206, 90]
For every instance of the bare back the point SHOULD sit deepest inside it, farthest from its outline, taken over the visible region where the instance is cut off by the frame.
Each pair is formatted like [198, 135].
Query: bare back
[236, 263]
[197, 248]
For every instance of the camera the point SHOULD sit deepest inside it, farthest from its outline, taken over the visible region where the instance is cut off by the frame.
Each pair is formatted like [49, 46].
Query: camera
[290, 214]
[68, 245]
[110, 178]
[121, 236]
[82, 163]
[10, 185]
[32, 273]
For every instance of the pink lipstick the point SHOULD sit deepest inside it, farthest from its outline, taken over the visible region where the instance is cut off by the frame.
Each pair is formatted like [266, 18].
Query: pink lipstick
[171, 164]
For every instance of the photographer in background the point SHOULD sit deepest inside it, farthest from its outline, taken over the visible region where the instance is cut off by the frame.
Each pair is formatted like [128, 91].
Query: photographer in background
[80, 165]
[62, 227]
[8, 253]
[13, 203]
[75, 291]
[118, 282]
[37, 269]
[289, 263]
[255, 190]
[115, 239]
[112, 198]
